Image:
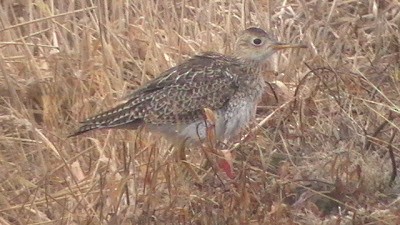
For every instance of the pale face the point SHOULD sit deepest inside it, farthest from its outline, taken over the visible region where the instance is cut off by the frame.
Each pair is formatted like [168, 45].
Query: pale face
[256, 45]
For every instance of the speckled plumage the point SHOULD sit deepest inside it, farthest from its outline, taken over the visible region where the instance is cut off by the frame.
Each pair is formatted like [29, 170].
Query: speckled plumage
[173, 103]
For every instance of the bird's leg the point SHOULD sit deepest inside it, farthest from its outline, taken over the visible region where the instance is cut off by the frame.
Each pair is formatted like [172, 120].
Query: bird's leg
[181, 159]
[180, 150]
[210, 119]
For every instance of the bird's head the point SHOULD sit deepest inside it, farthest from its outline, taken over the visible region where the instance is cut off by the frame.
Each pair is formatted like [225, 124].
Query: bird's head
[255, 45]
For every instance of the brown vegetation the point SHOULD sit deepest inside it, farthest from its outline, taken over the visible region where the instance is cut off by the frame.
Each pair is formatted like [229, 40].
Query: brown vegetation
[326, 154]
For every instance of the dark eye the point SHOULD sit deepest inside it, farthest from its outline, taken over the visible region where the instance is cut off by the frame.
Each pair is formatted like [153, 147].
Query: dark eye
[257, 41]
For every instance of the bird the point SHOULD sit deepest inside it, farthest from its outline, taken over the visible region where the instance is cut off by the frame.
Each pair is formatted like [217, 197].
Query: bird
[173, 103]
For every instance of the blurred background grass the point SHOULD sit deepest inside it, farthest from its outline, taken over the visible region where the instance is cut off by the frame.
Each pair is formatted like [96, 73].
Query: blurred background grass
[327, 157]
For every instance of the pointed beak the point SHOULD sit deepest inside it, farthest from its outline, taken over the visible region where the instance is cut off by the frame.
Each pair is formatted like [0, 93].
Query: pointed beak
[279, 46]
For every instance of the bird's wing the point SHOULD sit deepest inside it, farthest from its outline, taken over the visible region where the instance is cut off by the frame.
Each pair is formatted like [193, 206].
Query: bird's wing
[180, 94]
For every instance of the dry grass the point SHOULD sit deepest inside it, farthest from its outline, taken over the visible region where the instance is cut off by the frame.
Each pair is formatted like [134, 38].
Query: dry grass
[326, 157]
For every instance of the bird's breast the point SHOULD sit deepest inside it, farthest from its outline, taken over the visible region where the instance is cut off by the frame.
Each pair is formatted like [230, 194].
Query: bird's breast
[240, 110]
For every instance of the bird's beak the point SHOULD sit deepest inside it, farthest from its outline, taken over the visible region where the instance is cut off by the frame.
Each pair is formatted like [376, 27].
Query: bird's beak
[279, 46]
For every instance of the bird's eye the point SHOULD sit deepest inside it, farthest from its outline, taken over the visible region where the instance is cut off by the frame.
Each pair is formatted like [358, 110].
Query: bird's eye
[257, 41]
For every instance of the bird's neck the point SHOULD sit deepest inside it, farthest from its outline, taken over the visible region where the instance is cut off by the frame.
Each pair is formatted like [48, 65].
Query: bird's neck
[253, 66]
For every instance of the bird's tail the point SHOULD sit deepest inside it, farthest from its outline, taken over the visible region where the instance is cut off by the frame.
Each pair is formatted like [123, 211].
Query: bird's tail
[122, 116]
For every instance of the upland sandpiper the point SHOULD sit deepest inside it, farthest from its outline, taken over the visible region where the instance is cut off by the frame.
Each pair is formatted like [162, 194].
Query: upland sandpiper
[173, 103]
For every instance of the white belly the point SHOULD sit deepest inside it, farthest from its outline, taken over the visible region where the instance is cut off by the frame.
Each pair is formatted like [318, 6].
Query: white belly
[229, 123]
[235, 119]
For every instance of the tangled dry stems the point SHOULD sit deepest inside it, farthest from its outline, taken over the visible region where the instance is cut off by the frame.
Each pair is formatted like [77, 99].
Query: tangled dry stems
[326, 156]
